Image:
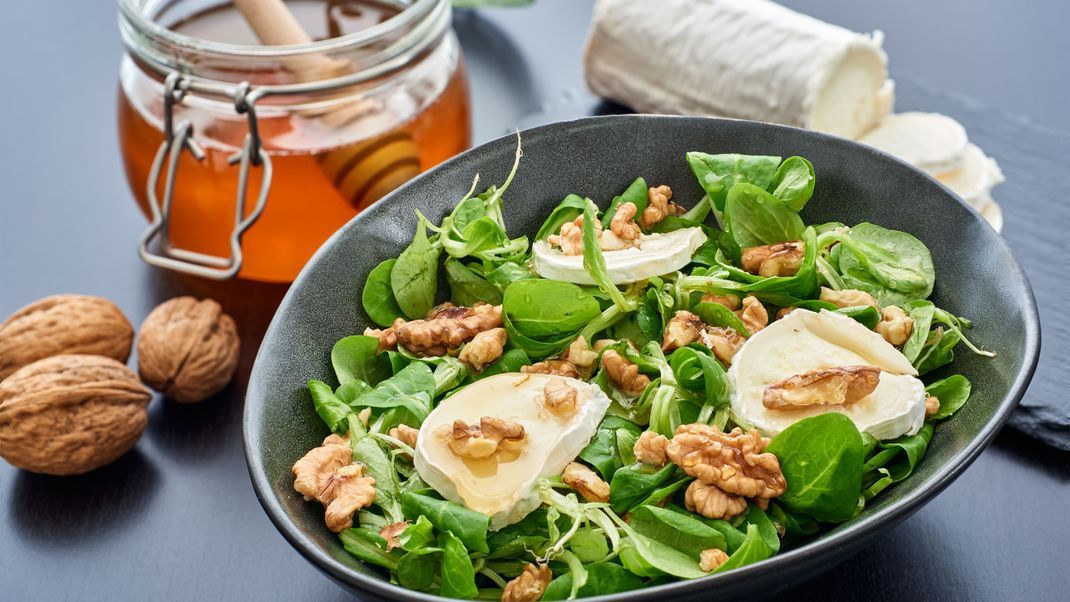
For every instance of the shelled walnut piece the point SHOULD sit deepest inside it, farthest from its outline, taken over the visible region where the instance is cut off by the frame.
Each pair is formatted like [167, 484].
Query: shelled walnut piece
[69, 414]
[685, 328]
[483, 440]
[560, 398]
[710, 559]
[780, 259]
[847, 297]
[64, 324]
[529, 586]
[484, 349]
[445, 329]
[555, 367]
[932, 406]
[736, 462]
[188, 349]
[328, 474]
[840, 386]
[712, 502]
[650, 449]
[392, 532]
[895, 325]
[659, 205]
[585, 482]
[405, 433]
[753, 314]
[624, 374]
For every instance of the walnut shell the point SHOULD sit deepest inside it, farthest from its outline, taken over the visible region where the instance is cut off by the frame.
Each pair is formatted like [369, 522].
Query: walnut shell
[69, 414]
[64, 324]
[188, 349]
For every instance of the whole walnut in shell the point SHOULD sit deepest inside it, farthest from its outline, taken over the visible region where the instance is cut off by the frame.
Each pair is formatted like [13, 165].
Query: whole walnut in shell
[188, 349]
[69, 414]
[64, 324]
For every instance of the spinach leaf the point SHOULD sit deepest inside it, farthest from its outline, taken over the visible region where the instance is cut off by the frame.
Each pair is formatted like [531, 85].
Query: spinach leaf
[697, 370]
[567, 210]
[541, 308]
[468, 525]
[332, 410]
[952, 392]
[350, 391]
[717, 174]
[369, 547]
[821, 458]
[681, 531]
[632, 484]
[536, 349]
[507, 273]
[647, 557]
[793, 183]
[412, 388]
[467, 287]
[370, 453]
[938, 351]
[753, 217]
[479, 235]
[602, 578]
[795, 525]
[922, 312]
[754, 549]
[417, 535]
[378, 298]
[897, 459]
[603, 452]
[716, 314]
[458, 574]
[636, 193]
[449, 373]
[589, 545]
[732, 536]
[757, 517]
[414, 277]
[892, 266]
[357, 358]
[417, 569]
[866, 315]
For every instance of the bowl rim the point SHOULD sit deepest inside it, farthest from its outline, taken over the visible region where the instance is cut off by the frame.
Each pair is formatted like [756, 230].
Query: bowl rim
[850, 537]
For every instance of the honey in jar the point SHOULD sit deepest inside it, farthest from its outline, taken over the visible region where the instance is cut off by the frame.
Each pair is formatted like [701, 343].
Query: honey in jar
[377, 96]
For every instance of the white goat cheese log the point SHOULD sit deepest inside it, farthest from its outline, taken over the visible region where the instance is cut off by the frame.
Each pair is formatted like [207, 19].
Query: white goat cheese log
[748, 59]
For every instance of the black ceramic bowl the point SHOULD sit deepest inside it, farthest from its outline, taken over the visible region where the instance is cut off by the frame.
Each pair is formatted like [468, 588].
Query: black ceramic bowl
[977, 277]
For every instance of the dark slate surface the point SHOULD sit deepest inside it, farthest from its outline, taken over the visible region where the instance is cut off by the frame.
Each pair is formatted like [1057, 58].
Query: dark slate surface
[177, 520]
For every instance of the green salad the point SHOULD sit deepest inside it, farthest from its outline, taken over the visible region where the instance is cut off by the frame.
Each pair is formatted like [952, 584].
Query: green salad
[632, 396]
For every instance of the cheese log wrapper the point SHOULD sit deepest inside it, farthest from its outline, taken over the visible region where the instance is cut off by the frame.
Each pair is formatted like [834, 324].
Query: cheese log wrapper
[747, 59]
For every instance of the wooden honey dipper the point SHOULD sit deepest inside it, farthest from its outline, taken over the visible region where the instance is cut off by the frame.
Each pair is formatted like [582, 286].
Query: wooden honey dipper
[365, 171]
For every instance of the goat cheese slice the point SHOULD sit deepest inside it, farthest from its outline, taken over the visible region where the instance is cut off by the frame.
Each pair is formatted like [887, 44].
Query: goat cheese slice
[931, 142]
[803, 341]
[656, 255]
[975, 178]
[503, 487]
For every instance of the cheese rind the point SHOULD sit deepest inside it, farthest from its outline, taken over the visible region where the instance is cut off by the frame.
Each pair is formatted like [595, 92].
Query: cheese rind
[748, 59]
[803, 341]
[503, 487]
[656, 255]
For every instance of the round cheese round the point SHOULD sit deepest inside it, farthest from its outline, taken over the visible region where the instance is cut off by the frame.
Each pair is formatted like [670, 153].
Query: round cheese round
[931, 142]
[803, 341]
[656, 255]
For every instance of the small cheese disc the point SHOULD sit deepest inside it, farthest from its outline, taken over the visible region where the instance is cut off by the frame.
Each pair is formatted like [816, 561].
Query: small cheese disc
[656, 255]
[931, 142]
[503, 486]
[803, 341]
[975, 178]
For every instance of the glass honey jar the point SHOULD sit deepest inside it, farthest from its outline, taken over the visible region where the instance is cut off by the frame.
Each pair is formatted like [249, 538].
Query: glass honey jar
[246, 157]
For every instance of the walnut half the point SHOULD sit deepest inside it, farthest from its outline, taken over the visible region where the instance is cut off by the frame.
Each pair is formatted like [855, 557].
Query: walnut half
[585, 482]
[328, 474]
[445, 329]
[560, 398]
[529, 586]
[491, 435]
[711, 502]
[735, 462]
[780, 259]
[829, 386]
[623, 374]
